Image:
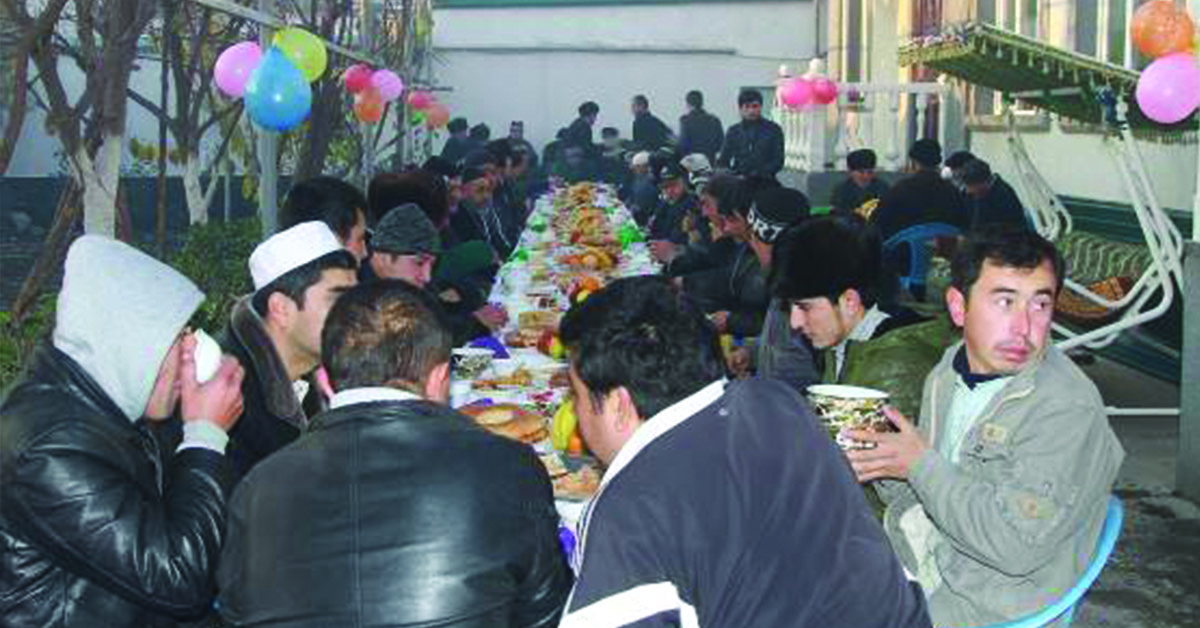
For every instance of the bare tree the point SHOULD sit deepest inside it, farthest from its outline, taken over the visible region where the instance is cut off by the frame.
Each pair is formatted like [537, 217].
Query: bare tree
[192, 36]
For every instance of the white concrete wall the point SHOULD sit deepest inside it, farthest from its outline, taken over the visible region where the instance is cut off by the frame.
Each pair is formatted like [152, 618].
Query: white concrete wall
[1083, 165]
[539, 64]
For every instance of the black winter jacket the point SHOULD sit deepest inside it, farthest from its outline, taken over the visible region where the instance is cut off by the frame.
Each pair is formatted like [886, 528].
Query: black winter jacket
[397, 513]
[272, 416]
[753, 149]
[700, 132]
[98, 527]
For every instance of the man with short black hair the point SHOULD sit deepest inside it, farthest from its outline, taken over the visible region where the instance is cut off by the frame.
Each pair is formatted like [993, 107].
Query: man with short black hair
[649, 132]
[516, 137]
[717, 496]
[754, 146]
[829, 274]
[579, 133]
[458, 144]
[275, 334]
[341, 206]
[1002, 487]
[408, 513]
[990, 199]
[700, 131]
[862, 186]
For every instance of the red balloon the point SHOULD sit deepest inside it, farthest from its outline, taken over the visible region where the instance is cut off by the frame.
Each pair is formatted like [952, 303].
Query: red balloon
[368, 106]
[824, 90]
[357, 78]
[420, 100]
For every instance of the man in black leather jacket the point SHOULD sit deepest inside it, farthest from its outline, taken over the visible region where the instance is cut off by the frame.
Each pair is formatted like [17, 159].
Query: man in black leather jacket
[754, 146]
[393, 509]
[100, 524]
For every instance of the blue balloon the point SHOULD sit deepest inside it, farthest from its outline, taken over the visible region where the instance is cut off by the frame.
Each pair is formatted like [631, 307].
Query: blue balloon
[277, 97]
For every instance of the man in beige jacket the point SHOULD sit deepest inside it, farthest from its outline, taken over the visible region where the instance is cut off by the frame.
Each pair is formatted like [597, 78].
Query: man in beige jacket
[1001, 491]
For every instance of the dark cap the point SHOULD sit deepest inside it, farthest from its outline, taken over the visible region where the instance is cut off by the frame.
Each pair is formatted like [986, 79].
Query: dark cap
[861, 159]
[471, 173]
[669, 170]
[775, 209]
[976, 171]
[443, 167]
[959, 158]
[926, 152]
[405, 230]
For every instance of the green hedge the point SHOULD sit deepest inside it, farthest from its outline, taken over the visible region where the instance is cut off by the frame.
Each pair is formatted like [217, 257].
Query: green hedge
[213, 255]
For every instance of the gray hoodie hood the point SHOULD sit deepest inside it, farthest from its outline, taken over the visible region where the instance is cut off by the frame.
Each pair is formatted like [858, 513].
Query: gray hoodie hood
[119, 312]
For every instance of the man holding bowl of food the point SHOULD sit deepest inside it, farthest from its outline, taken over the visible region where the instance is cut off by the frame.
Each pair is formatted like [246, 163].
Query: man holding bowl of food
[996, 500]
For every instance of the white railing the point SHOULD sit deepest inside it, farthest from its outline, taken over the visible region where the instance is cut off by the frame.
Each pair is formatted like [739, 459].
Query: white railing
[865, 115]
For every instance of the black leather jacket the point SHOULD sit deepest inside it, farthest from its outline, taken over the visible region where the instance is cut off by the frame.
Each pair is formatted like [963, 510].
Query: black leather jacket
[396, 513]
[97, 526]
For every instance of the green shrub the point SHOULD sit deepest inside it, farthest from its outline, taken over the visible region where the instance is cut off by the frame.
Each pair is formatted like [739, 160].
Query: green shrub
[215, 256]
[17, 341]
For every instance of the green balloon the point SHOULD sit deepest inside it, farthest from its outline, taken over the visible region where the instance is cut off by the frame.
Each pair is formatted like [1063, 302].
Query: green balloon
[521, 254]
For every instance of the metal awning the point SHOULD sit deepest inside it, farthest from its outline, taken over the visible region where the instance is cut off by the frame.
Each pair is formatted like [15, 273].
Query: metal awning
[1067, 83]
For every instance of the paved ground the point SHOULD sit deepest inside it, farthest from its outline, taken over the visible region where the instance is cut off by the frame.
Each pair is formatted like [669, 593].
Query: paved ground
[1153, 578]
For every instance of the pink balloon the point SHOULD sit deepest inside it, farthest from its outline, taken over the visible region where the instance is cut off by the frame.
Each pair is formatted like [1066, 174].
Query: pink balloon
[388, 83]
[420, 100]
[1169, 88]
[796, 93]
[234, 66]
[825, 91]
[357, 78]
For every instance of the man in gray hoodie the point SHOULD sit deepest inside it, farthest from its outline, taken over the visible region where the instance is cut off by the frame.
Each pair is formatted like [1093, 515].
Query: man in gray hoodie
[101, 523]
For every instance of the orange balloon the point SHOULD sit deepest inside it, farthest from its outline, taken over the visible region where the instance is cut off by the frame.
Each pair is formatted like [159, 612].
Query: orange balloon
[368, 106]
[436, 116]
[1160, 28]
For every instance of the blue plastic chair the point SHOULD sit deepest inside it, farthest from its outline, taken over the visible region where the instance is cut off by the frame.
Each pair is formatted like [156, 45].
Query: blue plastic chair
[920, 251]
[1065, 607]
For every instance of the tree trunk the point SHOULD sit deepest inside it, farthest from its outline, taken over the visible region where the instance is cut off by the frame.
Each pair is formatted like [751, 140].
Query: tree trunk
[98, 179]
[197, 200]
[54, 251]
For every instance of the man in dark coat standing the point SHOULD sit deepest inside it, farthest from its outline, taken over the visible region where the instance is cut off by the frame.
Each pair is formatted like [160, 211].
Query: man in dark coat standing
[649, 132]
[754, 146]
[700, 131]
[409, 514]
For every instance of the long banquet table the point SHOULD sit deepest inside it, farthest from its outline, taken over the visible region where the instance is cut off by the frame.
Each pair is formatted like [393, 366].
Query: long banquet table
[571, 237]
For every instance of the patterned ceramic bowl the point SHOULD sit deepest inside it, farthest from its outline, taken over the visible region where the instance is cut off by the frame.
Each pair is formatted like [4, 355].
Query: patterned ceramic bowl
[849, 408]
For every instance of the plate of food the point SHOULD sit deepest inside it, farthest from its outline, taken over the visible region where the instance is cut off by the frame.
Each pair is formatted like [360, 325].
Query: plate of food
[510, 421]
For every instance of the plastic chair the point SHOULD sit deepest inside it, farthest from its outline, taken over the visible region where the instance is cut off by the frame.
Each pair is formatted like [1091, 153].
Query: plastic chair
[1064, 608]
[919, 252]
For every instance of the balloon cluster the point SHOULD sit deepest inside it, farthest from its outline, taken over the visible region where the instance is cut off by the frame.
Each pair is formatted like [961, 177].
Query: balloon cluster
[372, 90]
[1168, 90]
[427, 110]
[274, 85]
[802, 93]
